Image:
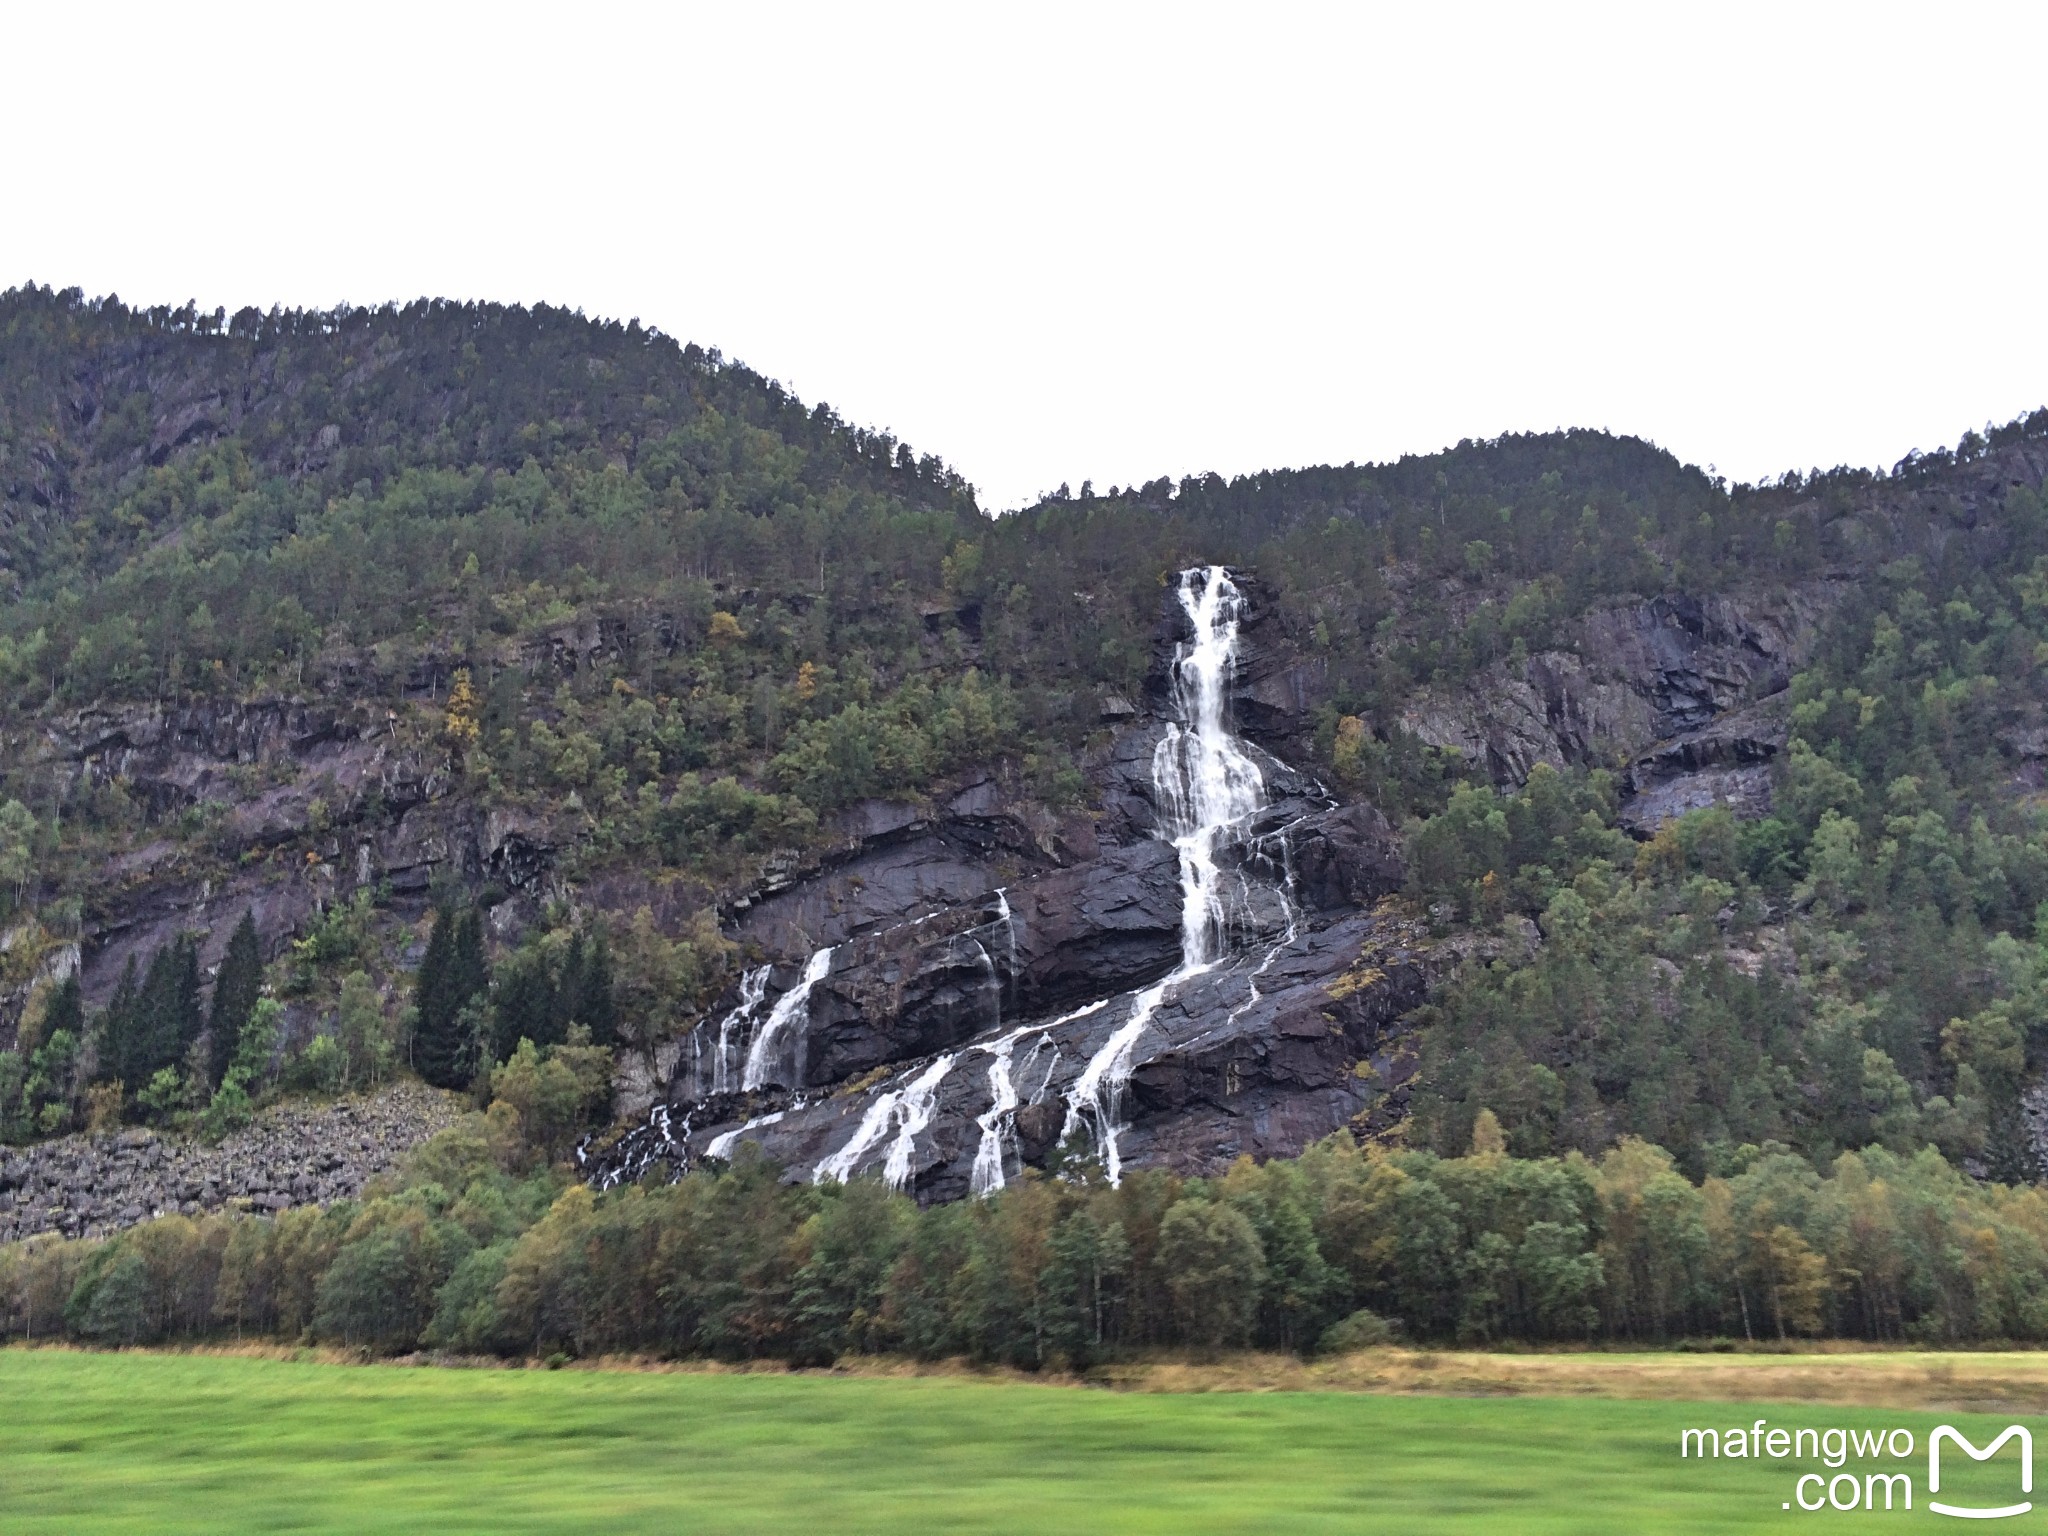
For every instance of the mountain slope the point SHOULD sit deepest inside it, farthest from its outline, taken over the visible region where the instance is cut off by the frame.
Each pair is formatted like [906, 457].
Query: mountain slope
[339, 619]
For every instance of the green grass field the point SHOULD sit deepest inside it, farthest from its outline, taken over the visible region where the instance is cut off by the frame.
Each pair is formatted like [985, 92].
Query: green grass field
[165, 1443]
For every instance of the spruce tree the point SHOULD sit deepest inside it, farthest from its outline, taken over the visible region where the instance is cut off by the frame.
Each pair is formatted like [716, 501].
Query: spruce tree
[434, 1054]
[526, 1006]
[451, 974]
[594, 1004]
[235, 991]
[569, 986]
[169, 1014]
[65, 1011]
[471, 971]
[118, 1028]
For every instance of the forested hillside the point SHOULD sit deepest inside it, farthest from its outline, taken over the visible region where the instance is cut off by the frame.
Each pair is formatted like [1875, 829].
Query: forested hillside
[383, 688]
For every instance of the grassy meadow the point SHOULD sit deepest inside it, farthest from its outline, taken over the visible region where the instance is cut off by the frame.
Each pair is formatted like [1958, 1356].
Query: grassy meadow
[175, 1443]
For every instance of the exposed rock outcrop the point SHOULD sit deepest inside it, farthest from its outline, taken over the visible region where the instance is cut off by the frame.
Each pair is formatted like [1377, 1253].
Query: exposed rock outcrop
[1727, 762]
[1643, 688]
[976, 970]
[303, 805]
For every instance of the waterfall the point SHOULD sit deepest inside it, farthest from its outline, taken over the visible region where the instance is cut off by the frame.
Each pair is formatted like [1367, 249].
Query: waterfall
[909, 1108]
[987, 1177]
[655, 1140]
[1009, 922]
[874, 1125]
[722, 1143]
[1206, 786]
[1264, 847]
[914, 1114]
[995, 985]
[792, 1008]
[997, 1122]
[753, 988]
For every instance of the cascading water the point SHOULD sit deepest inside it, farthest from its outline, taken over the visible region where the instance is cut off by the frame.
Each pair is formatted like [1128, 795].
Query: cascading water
[630, 1158]
[1009, 922]
[908, 1110]
[999, 1119]
[722, 1144]
[1275, 849]
[988, 1176]
[790, 1015]
[874, 1125]
[1206, 787]
[753, 988]
[913, 1115]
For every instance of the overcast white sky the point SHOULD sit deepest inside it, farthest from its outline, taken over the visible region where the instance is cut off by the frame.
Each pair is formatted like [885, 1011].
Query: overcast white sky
[1111, 242]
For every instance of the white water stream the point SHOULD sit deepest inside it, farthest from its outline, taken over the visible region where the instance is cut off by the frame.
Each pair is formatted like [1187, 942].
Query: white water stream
[1206, 786]
[1000, 1118]
[753, 988]
[908, 1110]
[722, 1144]
[791, 1015]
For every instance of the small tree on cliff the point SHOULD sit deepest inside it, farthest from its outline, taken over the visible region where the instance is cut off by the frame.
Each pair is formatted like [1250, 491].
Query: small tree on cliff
[462, 721]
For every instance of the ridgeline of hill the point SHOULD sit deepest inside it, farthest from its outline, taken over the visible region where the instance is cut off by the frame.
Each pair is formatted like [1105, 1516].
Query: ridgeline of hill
[1711, 813]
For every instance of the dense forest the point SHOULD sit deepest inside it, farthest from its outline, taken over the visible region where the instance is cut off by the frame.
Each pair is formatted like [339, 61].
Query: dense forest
[482, 1247]
[1765, 1067]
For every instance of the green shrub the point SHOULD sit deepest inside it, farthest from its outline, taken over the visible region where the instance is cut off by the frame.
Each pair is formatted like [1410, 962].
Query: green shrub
[1363, 1329]
[322, 1067]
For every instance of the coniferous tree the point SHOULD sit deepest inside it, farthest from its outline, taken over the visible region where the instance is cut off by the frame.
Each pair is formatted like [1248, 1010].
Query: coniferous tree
[595, 1006]
[430, 982]
[435, 1055]
[451, 974]
[188, 1013]
[235, 992]
[119, 1027]
[169, 1016]
[470, 971]
[65, 1010]
[569, 986]
[526, 1005]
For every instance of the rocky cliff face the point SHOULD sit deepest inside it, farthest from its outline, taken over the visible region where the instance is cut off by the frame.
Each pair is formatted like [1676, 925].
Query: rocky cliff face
[943, 992]
[275, 807]
[1669, 691]
[976, 947]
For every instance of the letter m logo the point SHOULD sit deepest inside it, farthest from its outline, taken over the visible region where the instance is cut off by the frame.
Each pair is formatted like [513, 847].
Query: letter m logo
[1970, 1512]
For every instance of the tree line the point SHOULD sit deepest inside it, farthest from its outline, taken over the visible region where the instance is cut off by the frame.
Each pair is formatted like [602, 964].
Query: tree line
[485, 1244]
[161, 1054]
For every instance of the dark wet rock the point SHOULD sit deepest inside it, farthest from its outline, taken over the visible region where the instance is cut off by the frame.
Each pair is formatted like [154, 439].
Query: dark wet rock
[307, 803]
[1071, 935]
[1259, 1057]
[931, 981]
[1346, 857]
[901, 862]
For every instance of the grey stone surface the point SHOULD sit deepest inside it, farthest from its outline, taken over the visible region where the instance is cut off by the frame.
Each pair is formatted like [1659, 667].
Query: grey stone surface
[295, 1153]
